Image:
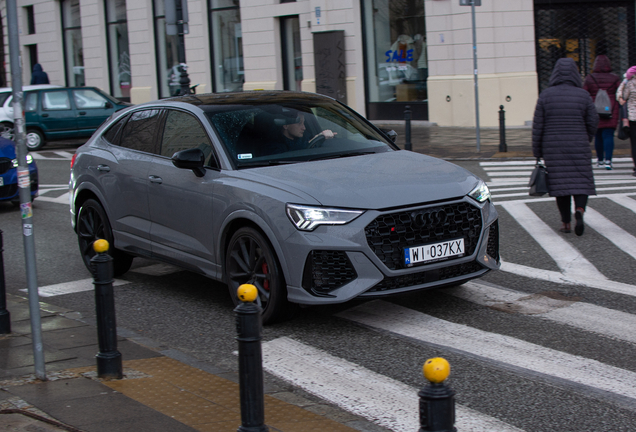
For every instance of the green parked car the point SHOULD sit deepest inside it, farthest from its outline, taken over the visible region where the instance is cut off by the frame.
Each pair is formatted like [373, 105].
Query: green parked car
[65, 112]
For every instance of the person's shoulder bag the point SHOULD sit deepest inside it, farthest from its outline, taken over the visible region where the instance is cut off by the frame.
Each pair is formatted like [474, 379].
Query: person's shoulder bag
[539, 180]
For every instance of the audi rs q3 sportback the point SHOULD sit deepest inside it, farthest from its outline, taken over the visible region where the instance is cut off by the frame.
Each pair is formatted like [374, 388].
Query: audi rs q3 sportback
[293, 192]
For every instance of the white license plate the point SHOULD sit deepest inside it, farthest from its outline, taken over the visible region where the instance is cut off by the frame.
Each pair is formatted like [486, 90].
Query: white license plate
[1, 181]
[433, 252]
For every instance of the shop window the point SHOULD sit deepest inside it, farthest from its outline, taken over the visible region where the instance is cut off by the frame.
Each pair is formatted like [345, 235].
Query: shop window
[73, 49]
[118, 51]
[397, 66]
[167, 48]
[292, 55]
[226, 41]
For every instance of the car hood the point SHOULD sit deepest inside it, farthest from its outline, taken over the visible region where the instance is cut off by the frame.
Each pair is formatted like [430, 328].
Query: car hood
[7, 148]
[376, 181]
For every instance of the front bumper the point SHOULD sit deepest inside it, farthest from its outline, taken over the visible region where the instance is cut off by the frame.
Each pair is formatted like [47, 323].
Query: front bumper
[9, 189]
[334, 264]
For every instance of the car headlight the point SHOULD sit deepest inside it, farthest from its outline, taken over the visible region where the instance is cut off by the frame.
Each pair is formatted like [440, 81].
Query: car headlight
[480, 193]
[308, 218]
[29, 159]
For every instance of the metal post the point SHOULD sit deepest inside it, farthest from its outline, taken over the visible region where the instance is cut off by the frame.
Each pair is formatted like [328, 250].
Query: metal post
[248, 328]
[24, 186]
[437, 400]
[5, 316]
[184, 80]
[407, 126]
[109, 363]
[472, 7]
[503, 147]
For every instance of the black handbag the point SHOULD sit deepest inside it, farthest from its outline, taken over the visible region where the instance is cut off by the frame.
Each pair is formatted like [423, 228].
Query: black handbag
[539, 180]
[622, 131]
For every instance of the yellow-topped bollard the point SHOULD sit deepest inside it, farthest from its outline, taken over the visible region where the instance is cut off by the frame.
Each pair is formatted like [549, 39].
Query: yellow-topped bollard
[101, 246]
[437, 400]
[247, 293]
[436, 370]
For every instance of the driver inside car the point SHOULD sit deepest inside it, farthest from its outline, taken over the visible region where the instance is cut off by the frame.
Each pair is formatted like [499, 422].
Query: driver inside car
[293, 134]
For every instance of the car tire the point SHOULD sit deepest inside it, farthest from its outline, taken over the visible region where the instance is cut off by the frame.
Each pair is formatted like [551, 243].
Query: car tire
[92, 224]
[34, 140]
[251, 259]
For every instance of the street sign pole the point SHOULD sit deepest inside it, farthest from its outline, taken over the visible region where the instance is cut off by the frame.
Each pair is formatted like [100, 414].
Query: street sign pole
[472, 7]
[24, 186]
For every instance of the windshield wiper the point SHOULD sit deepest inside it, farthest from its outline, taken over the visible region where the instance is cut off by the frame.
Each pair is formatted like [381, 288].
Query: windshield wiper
[341, 155]
[265, 163]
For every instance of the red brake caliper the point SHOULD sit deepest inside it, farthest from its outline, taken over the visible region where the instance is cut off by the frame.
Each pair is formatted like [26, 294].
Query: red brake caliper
[266, 281]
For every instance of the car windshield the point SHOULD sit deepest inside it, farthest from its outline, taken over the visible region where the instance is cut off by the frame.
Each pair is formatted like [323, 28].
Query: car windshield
[293, 131]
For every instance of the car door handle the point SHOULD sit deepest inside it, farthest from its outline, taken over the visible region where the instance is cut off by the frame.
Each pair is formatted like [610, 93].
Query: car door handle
[45, 115]
[155, 179]
[104, 168]
[82, 113]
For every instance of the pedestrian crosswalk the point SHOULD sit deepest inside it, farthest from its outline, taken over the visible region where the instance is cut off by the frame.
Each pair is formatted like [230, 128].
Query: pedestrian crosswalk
[509, 179]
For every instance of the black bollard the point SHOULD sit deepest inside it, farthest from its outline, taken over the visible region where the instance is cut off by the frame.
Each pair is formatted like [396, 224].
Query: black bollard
[5, 316]
[437, 400]
[248, 329]
[109, 363]
[503, 147]
[407, 128]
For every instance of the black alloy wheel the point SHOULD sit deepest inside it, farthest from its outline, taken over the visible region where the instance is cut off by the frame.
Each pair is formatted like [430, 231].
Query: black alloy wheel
[92, 224]
[251, 260]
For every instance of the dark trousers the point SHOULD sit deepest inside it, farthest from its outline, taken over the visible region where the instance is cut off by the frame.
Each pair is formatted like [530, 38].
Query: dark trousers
[632, 140]
[604, 143]
[564, 203]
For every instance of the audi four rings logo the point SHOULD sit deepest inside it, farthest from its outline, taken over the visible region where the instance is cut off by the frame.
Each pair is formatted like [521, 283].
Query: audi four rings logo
[429, 218]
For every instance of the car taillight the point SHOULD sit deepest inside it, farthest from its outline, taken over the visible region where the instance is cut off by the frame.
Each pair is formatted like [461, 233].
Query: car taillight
[73, 160]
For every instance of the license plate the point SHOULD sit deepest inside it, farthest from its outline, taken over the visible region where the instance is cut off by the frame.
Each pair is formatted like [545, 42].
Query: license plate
[434, 252]
[1, 181]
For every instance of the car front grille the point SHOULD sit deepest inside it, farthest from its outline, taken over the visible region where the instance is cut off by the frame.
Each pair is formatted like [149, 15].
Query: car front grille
[326, 271]
[389, 234]
[425, 277]
[492, 248]
[8, 190]
[5, 165]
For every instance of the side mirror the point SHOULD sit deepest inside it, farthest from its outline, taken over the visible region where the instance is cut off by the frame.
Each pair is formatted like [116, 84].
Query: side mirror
[192, 159]
[390, 133]
[108, 105]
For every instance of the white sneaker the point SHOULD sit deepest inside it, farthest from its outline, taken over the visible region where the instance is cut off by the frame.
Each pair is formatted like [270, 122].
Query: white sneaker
[608, 165]
[599, 163]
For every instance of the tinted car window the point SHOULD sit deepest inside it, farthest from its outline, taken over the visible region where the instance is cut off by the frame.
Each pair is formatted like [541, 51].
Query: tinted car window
[56, 100]
[183, 131]
[3, 97]
[31, 102]
[88, 99]
[111, 135]
[139, 131]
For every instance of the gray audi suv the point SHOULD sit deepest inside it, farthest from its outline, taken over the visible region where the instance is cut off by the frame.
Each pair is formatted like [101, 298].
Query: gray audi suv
[293, 192]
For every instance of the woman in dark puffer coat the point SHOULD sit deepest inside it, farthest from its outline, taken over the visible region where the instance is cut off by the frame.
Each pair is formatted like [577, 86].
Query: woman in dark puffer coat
[602, 78]
[564, 123]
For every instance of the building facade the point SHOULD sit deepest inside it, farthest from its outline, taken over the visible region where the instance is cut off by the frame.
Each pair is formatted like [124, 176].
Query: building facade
[378, 56]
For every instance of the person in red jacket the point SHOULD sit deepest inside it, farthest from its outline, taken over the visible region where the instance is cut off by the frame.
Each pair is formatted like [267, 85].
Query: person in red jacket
[602, 78]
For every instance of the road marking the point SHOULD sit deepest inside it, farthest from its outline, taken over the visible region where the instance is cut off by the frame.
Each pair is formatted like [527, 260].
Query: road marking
[624, 200]
[492, 346]
[570, 261]
[608, 229]
[385, 401]
[62, 199]
[71, 287]
[585, 316]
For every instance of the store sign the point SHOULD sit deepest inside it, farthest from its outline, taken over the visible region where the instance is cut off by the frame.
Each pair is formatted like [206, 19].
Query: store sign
[400, 56]
[469, 2]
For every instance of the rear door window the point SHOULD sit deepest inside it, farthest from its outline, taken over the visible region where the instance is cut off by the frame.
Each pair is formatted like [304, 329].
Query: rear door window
[140, 131]
[56, 100]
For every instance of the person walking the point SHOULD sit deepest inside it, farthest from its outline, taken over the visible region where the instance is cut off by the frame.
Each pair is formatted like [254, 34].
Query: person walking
[564, 124]
[626, 93]
[602, 78]
[39, 76]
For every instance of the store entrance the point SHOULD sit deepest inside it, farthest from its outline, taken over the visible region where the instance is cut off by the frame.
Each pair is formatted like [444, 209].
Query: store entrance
[582, 30]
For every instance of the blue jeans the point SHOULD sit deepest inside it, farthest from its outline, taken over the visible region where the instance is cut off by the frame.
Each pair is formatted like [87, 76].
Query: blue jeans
[604, 143]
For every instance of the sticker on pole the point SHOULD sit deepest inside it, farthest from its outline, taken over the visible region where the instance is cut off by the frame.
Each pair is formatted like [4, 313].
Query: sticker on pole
[24, 180]
[27, 230]
[26, 209]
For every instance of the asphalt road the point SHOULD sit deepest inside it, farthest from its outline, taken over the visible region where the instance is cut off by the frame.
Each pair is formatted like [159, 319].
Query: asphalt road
[537, 369]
